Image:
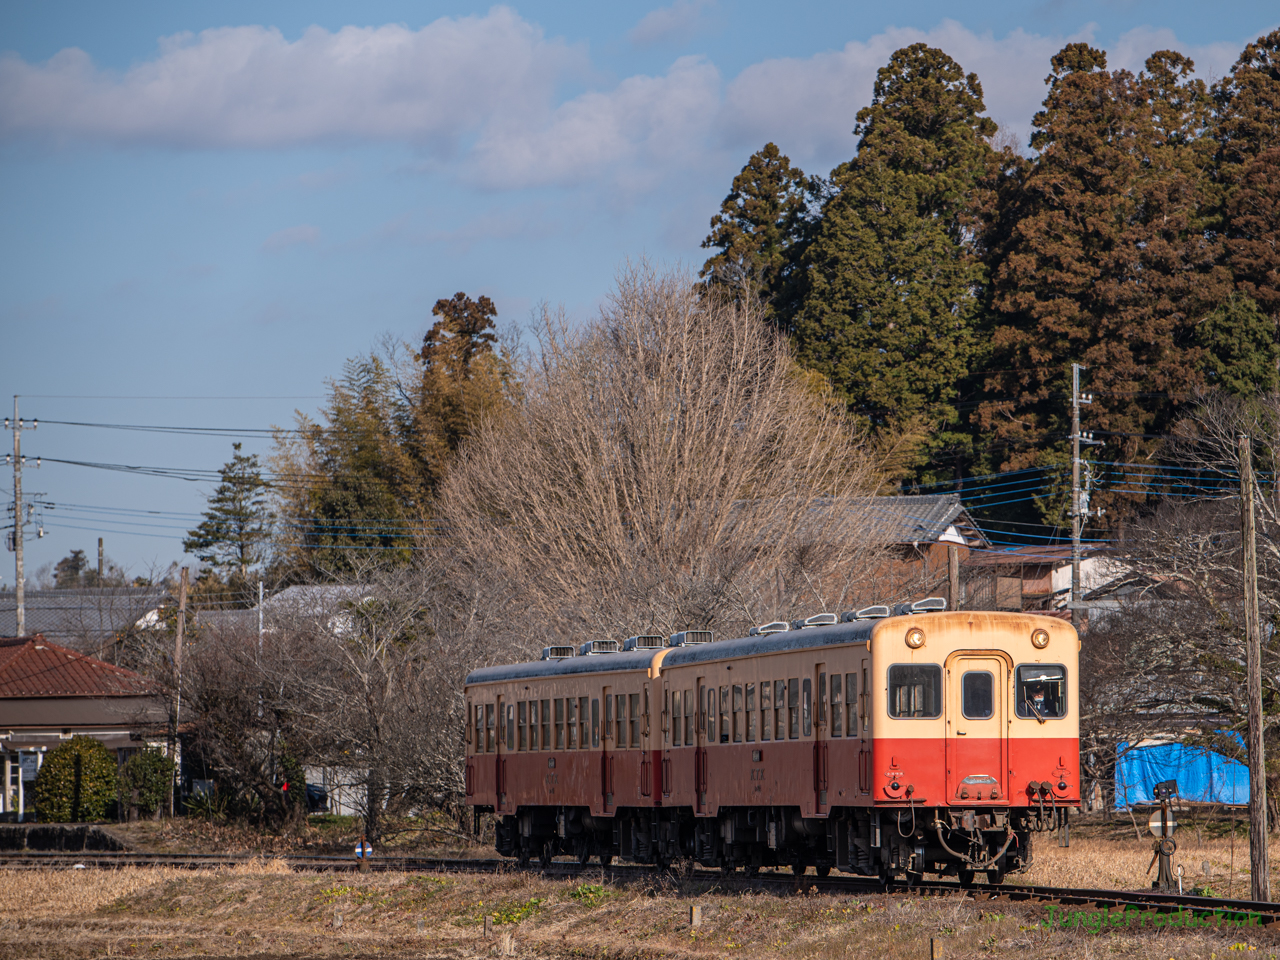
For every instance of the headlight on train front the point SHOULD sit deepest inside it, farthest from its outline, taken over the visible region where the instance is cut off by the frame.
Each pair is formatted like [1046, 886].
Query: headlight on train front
[1040, 638]
[915, 638]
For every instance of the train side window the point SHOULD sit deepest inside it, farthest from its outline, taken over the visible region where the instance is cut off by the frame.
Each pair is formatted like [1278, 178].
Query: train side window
[851, 704]
[837, 706]
[737, 713]
[793, 708]
[559, 702]
[915, 690]
[511, 726]
[546, 724]
[595, 722]
[522, 726]
[724, 714]
[1042, 691]
[608, 716]
[571, 722]
[780, 710]
[584, 729]
[471, 710]
[977, 695]
[489, 730]
[675, 718]
[688, 718]
[766, 709]
[751, 712]
[822, 700]
[806, 707]
[635, 719]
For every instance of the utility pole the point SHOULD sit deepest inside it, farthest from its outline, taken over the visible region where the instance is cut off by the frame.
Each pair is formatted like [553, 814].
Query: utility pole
[953, 576]
[179, 640]
[1077, 521]
[19, 514]
[1259, 868]
[99, 561]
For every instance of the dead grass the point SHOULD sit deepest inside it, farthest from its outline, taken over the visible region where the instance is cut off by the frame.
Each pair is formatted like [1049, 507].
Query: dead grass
[261, 908]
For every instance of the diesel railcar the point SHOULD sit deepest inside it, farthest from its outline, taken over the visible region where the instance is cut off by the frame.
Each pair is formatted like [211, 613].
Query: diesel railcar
[879, 743]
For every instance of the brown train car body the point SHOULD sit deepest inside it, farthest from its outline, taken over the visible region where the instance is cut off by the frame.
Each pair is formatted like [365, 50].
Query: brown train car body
[839, 747]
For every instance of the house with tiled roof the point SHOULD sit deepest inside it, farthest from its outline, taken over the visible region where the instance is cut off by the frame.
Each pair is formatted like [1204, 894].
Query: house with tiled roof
[50, 693]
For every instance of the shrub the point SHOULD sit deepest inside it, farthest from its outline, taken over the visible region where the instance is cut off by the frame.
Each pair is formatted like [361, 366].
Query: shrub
[76, 783]
[148, 777]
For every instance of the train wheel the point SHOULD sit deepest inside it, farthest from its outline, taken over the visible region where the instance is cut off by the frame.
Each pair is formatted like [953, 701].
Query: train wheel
[799, 869]
[995, 877]
[546, 856]
[606, 859]
[584, 853]
[728, 869]
[750, 870]
[966, 877]
[824, 870]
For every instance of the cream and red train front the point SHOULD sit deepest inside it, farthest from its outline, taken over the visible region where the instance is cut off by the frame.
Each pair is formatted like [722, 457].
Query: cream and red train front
[975, 709]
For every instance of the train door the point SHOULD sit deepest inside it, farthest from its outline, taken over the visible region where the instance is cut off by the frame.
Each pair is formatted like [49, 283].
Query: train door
[646, 748]
[607, 746]
[864, 727]
[821, 744]
[500, 758]
[977, 727]
[700, 750]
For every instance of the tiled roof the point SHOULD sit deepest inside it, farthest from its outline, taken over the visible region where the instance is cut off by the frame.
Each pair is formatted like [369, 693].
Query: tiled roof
[906, 519]
[84, 617]
[35, 667]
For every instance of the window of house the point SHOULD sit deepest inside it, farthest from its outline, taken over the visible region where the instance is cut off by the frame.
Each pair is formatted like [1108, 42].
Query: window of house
[793, 708]
[766, 709]
[571, 722]
[751, 712]
[635, 719]
[780, 710]
[559, 702]
[546, 724]
[595, 722]
[977, 695]
[837, 706]
[851, 704]
[806, 707]
[915, 690]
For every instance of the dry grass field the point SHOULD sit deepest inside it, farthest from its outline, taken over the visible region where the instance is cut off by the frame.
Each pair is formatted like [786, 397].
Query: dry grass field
[262, 909]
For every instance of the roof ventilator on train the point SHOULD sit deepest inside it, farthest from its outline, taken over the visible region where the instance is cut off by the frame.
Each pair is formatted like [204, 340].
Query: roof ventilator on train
[685, 637]
[866, 613]
[645, 642]
[592, 647]
[928, 605]
[778, 626]
[557, 653]
[817, 620]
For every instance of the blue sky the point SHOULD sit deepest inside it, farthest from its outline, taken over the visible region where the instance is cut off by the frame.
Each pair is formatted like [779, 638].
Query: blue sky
[204, 201]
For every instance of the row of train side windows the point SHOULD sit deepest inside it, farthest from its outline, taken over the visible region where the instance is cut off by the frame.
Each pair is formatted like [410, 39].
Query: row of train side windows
[764, 711]
[915, 692]
[558, 723]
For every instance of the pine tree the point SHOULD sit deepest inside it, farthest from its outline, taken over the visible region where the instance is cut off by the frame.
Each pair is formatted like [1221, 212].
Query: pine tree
[760, 230]
[1241, 352]
[891, 278]
[68, 570]
[236, 530]
[1110, 260]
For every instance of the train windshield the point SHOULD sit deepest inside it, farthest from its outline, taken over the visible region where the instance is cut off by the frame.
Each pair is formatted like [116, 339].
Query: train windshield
[915, 690]
[1042, 692]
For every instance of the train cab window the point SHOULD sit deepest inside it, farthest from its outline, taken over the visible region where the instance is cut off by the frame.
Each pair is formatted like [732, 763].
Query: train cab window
[837, 706]
[571, 722]
[583, 725]
[546, 724]
[635, 719]
[1042, 692]
[751, 713]
[724, 714]
[915, 690]
[793, 708]
[806, 707]
[977, 695]
[595, 723]
[737, 713]
[489, 730]
[511, 726]
[780, 710]
[851, 704]
[688, 718]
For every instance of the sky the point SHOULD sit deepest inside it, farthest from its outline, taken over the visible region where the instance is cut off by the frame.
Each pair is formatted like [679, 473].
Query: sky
[208, 208]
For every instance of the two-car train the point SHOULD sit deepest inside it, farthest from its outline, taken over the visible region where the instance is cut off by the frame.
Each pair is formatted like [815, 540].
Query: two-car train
[878, 744]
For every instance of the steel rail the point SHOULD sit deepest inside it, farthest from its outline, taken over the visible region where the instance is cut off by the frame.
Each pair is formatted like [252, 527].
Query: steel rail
[1265, 912]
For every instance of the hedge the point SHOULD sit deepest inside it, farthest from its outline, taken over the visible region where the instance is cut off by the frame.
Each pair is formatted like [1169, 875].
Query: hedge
[77, 782]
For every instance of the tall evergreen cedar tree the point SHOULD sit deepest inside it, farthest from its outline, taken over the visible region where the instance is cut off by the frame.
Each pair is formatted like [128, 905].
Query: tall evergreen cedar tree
[366, 476]
[891, 280]
[1109, 260]
[237, 525]
[760, 230]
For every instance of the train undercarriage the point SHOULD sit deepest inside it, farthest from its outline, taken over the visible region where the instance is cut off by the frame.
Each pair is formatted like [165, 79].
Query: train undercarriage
[883, 843]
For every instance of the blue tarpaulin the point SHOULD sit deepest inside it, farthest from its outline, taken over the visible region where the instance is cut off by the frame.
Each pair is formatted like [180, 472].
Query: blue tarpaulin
[1203, 776]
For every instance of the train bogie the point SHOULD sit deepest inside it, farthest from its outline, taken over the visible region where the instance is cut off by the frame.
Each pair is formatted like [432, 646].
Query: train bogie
[903, 745]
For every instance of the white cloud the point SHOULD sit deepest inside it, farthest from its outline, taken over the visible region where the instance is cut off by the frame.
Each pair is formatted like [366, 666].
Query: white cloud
[672, 24]
[291, 237]
[249, 87]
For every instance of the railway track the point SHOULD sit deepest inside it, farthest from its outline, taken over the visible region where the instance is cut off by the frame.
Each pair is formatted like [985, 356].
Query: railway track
[699, 881]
